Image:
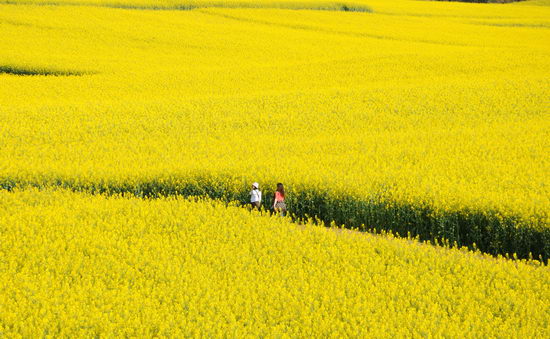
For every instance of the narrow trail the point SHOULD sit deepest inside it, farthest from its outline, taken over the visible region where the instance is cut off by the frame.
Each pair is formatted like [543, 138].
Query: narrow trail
[329, 31]
[476, 230]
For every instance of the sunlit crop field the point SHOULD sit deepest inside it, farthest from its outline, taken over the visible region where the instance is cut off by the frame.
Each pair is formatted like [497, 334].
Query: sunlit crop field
[424, 118]
[76, 265]
[433, 115]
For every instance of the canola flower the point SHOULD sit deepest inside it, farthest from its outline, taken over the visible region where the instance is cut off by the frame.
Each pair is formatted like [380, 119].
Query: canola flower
[80, 265]
[421, 117]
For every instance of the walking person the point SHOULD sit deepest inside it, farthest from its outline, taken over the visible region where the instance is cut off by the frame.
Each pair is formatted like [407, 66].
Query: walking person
[279, 200]
[256, 196]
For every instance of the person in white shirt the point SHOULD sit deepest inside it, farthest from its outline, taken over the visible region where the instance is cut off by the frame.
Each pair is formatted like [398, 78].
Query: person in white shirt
[256, 196]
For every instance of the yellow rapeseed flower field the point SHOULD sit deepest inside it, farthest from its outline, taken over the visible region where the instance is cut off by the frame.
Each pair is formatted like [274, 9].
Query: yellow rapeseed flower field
[424, 118]
[80, 265]
[416, 116]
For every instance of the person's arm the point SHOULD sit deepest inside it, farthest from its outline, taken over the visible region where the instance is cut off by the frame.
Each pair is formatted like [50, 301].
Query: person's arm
[274, 199]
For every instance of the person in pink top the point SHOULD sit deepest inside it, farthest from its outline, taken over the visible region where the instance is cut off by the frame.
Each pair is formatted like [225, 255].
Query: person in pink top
[279, 200]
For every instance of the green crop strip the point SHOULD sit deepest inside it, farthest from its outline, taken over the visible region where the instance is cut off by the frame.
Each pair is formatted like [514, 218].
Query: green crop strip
[486, 231]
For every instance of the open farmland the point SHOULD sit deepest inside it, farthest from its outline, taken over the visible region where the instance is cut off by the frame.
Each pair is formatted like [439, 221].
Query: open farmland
[430, 119]
[404, 118]
[76, 265]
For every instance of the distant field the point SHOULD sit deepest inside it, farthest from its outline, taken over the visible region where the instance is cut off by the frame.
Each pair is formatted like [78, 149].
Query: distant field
[352, 6]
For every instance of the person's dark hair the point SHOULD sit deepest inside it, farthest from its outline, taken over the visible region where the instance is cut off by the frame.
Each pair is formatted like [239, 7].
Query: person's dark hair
[281, 189]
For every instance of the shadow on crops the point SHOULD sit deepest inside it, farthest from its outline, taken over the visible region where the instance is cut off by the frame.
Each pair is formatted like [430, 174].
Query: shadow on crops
[30, 71]
[490, 232]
